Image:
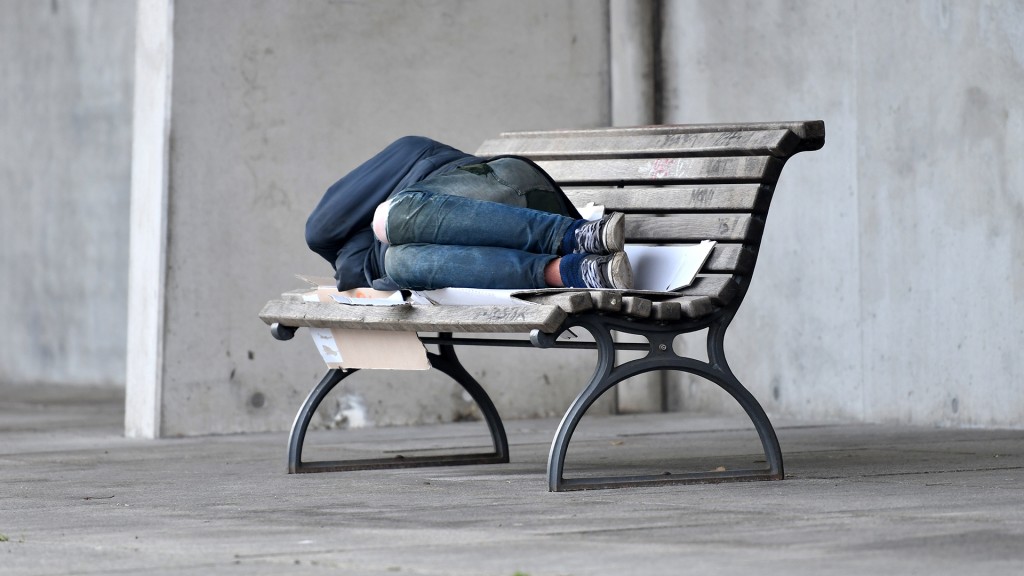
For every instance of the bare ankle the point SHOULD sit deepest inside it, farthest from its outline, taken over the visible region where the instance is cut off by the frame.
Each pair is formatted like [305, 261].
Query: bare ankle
[552, 275]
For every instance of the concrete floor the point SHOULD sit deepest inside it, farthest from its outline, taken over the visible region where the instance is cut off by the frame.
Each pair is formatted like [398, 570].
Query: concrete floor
[77, 498]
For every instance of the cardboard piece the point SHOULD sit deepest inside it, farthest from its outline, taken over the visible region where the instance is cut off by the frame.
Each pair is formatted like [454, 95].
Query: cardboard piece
[363, 349]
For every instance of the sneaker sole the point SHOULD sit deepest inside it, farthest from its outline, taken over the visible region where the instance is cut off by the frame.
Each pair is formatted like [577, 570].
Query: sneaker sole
[620, 272]
[614, 236]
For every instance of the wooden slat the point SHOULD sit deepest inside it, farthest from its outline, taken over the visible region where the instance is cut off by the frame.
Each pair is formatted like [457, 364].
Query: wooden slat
[711, 198]
[720, 289]
[736, 258]
[666, 311]
[504, 319]
[571, 302]
[811, 133]
[665, 170]
[694, 228]
[690, 307]
[778, 142]
[607, 300]
[636, 306]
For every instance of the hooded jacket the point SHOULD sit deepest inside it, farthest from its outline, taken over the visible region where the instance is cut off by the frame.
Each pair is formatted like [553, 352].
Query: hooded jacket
[339, 227]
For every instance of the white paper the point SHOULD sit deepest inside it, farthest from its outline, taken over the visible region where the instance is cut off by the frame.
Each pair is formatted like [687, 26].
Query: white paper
[328, 347]
[470, 297]
[395, 299]
[667, 268]
[592, 211]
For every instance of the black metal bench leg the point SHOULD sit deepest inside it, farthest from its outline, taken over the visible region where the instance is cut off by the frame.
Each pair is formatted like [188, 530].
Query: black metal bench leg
[448, 363]
[661, 357]
[599, 383]
[728, 381]
[305, 416]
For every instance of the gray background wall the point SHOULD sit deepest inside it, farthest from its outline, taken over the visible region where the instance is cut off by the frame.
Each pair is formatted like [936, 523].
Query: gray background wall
[65, 159]
[272, 103]
[891, 282]
[890, 285]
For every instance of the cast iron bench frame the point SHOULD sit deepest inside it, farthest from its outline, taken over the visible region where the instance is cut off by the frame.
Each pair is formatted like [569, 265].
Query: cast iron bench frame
[677, 184]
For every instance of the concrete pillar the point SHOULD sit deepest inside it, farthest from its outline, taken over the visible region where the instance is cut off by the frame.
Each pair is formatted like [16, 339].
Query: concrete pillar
[634, 33]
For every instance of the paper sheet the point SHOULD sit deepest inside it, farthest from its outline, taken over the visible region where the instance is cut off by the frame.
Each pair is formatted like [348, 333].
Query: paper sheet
[667, 268]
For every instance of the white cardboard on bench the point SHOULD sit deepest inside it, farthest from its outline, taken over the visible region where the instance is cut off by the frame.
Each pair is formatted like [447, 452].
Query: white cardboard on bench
[375, 349]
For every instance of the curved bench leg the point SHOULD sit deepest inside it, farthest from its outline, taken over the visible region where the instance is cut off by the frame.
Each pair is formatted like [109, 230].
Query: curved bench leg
[732, 385]
[661, 357]
[305, 416]
[448, 363]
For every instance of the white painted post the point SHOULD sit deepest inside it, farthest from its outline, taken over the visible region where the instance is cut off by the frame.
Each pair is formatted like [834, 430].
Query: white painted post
[148, 226]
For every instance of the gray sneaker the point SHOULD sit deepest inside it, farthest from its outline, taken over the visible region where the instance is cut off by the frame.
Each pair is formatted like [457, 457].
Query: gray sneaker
[603, 236]
[607, 271]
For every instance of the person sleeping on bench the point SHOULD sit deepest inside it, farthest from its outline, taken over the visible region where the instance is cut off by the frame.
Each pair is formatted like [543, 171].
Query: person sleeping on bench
[422, 215]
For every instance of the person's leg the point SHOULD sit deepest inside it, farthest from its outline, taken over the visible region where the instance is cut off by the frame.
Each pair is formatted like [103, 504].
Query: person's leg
[422, 217]
[433, 266]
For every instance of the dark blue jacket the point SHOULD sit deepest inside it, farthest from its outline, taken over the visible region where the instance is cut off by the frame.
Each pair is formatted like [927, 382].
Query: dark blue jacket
[339, 227]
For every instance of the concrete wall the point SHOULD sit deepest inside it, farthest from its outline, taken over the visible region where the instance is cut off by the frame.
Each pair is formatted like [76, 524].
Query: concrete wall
[889, 288]
[891, 281]
[271, 103]
[65, 156]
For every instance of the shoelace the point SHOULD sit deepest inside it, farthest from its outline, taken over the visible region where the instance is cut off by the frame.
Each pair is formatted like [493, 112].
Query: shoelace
[588, 237]
[591, 269]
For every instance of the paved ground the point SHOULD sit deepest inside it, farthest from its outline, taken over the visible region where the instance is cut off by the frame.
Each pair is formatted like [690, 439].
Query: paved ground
[79, 499]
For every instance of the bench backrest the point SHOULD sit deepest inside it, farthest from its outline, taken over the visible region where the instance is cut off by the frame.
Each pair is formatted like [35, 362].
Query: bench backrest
[677, 184]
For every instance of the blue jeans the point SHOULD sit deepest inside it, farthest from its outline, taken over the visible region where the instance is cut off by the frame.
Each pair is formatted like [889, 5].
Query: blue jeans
[471, 228]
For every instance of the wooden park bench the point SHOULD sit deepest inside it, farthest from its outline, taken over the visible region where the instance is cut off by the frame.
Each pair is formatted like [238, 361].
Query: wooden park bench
[676, 184]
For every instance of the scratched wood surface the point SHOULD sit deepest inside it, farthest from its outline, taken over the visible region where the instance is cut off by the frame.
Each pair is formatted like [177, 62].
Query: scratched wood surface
[504, 319]
[778, 142]
[624, 171]
[706, 198]
[747, 138]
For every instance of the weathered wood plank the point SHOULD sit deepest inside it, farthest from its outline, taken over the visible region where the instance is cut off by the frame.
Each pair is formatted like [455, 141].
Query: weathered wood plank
[719, 289]
[694, 228]
[636, 306]
[779, 142]
[688, 307]
[665, 170]
[811, 132]
[667, 311]
[607, 300]
[710, 198]
[806, 129]
[504, 319]
[736, 258]
[694, 307]
[571, 302]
